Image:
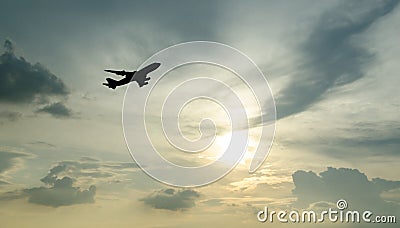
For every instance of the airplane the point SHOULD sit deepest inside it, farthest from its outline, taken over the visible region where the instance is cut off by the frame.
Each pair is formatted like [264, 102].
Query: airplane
[139, 76]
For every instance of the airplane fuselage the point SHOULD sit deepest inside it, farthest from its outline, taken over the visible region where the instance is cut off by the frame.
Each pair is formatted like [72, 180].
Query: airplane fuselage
[139, 76]
[125, 80]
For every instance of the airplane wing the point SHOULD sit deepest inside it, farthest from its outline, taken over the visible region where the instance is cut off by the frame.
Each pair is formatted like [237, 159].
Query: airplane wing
[117, 72]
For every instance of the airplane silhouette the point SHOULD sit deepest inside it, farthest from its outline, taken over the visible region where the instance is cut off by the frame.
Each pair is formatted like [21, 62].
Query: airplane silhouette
[139, 76]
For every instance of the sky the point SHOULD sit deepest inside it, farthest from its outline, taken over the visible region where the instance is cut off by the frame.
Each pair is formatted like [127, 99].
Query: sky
[332, 67]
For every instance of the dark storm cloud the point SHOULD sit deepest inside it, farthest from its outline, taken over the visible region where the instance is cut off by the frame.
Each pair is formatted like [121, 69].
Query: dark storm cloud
[343, 183]
[23, 82]
[331, 53]
[10, 115]
[171, 199]
[57, 110]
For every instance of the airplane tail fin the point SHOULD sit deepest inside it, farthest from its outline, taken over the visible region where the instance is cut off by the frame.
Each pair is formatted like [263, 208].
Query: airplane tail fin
[110, 83]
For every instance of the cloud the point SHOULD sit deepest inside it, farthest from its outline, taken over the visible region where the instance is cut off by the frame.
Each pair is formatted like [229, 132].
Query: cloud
[23, 82]
[171, 199]
[9, 160]
[57, 110]
[8, 46]
[332, 55]
[61, 193]
[10, 115]
[42, 144]
[89, 170]
[343, 183]
[61, 184]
